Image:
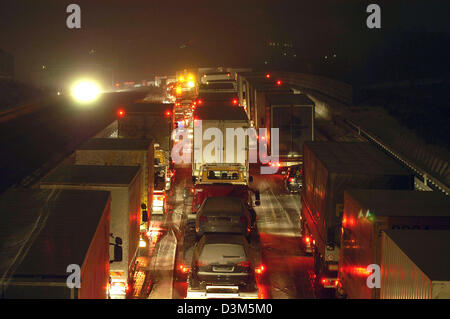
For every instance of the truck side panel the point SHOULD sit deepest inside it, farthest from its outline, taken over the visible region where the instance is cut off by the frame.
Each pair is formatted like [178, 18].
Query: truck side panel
[95, 268]
[401, 278]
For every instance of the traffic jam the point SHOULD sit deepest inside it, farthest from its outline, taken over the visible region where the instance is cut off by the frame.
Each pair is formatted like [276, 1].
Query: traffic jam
[224, 187]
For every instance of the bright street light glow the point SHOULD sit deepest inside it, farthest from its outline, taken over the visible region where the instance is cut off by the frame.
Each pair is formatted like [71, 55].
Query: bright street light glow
[85, 91]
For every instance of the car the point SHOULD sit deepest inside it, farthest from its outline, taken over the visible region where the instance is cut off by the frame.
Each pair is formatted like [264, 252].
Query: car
[293, 179]
[224, 214]
[222, 260]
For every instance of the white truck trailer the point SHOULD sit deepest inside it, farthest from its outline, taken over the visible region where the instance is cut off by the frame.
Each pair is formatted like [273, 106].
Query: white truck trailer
[124, 183]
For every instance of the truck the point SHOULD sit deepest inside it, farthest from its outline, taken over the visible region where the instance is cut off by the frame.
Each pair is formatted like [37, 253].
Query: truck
[293, 116]
[123, 152]
[415, 264]
[144, 120]
[151, 121]
[44, 232]
[254, 99]
[367, 213]
[329, 169]
[124, 183]
[221, 117]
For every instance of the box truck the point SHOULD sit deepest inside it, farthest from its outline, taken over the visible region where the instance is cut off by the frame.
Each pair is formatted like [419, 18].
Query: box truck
[45, 231]
[207, 118]
[122, 152]
[256, 100]
[369, 212]
[415, 264]
[146, 121]
[293, 116]
[124, 183]
[331, 168]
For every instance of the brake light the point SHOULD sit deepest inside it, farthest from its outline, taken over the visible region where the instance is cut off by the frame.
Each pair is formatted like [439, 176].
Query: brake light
[168, 113]
[259, 270]
[120, 113]
[291, 179]
[228, 74]
[184, 269]
[235, 101]
[267, 76]
[279, 83]
[200, 101]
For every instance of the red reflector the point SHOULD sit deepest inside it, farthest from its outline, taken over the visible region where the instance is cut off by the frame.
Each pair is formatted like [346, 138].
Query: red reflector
[243, 264]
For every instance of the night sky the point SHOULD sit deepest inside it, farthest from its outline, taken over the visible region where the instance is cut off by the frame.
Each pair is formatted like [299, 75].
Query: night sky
[144, 38]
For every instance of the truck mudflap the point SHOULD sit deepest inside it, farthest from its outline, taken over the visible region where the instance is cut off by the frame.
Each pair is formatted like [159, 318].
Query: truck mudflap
[221, 292]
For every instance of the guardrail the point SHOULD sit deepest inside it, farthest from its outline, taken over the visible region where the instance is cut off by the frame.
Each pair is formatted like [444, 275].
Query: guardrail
[428, 179]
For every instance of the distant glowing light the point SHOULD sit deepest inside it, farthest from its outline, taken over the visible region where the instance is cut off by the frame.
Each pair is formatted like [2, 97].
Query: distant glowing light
[85, 91]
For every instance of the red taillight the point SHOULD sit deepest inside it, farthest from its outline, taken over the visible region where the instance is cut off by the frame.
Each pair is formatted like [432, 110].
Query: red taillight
[203, 219]
[184, 269]
[121, 113]
[259, 270]
[200, 101]
[235, 101]
[168, 113]
[307, 239]
[192, 190]
[279, 82]
[291, 179]
[228, 74]
[267, 76]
